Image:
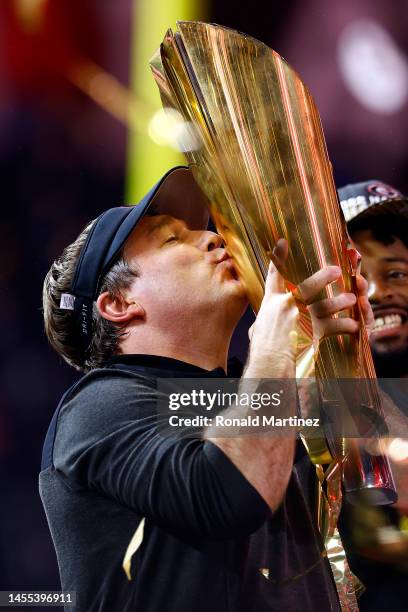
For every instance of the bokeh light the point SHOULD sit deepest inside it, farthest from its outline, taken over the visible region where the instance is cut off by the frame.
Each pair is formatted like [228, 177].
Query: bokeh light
[373, 67]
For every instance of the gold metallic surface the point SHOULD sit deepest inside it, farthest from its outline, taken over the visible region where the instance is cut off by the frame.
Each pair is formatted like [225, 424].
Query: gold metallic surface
[263, 164]
[261, 160]
[328, 507]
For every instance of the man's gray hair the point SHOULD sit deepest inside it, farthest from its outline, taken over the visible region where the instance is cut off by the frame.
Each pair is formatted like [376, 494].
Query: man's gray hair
[105, 334]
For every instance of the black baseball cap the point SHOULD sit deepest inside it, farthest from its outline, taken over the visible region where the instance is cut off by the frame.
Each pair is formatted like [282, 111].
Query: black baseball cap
[371, 199]
[176, 194]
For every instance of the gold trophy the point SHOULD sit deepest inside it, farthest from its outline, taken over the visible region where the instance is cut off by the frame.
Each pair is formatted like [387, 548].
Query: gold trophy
[261, 159]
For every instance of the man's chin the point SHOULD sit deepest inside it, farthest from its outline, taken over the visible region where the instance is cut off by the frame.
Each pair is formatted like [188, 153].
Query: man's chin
[390, 360]
[236, 288]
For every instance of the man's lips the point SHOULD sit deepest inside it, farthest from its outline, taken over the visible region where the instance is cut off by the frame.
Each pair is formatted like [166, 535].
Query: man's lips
[382, 311]
[225, 262]
[223, 257]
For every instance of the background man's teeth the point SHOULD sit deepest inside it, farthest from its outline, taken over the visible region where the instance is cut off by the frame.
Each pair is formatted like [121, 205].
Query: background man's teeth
[388, 321]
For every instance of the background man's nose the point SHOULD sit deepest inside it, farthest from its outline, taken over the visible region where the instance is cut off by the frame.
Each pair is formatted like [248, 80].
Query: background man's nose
[378, 291]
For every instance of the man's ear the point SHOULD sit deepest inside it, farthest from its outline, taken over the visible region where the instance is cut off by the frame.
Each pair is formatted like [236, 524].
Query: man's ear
[118, 309]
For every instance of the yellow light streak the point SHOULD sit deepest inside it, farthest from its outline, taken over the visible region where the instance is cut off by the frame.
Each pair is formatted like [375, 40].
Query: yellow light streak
[147, 160]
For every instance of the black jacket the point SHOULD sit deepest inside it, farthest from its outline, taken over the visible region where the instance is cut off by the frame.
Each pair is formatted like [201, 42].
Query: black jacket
[208, 534]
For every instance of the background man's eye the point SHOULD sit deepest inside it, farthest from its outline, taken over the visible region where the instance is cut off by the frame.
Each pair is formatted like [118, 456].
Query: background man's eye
[397, 274]
[170, 238]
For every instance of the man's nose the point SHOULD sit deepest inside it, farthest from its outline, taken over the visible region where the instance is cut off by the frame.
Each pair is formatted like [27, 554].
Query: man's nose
[379, 291]
[208, 241]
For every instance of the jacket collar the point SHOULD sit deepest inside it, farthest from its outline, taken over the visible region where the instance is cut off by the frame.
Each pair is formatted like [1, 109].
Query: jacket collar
[167, 367]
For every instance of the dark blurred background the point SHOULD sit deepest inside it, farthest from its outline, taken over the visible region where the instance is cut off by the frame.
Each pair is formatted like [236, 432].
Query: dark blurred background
[67, 152]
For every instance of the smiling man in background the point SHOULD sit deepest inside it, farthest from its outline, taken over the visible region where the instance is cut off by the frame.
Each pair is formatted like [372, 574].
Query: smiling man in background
[377, 221]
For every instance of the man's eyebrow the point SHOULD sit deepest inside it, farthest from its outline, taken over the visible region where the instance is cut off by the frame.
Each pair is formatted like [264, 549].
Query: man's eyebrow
[395, 260]
[165, 221]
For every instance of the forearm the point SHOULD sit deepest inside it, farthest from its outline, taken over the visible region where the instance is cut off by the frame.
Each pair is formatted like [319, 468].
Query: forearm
[266, 462]
[265, 459]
